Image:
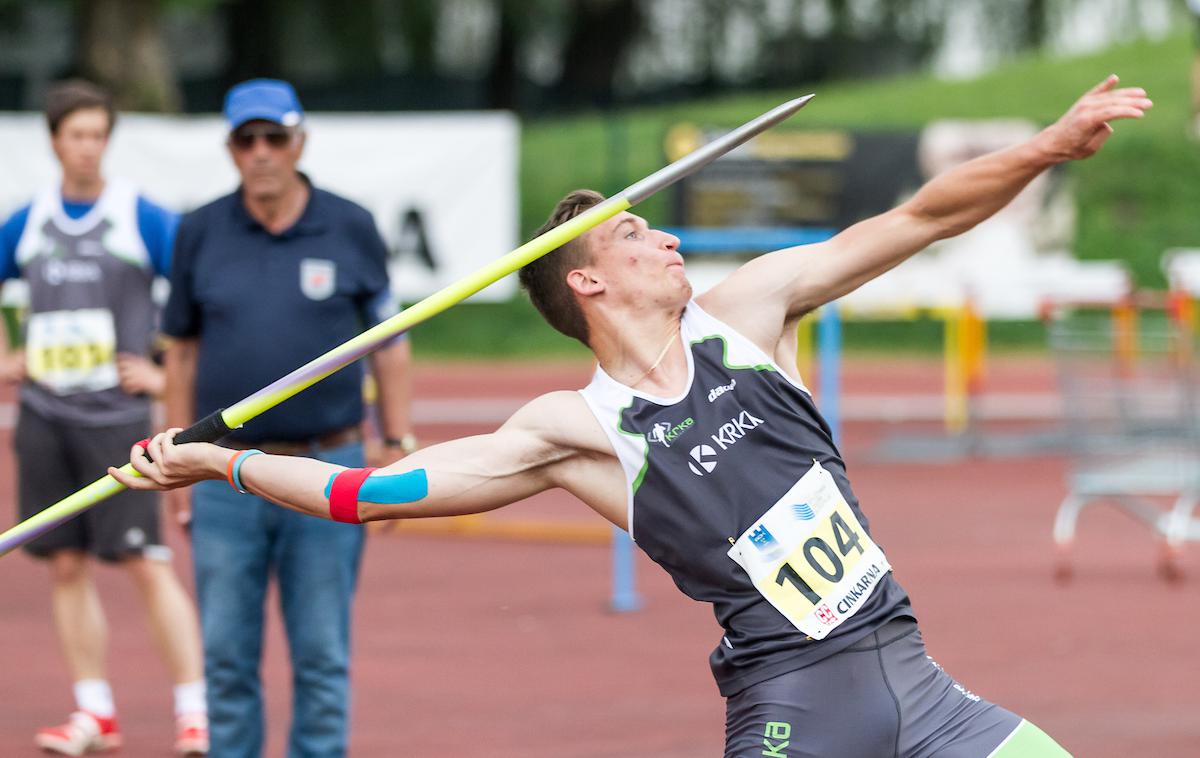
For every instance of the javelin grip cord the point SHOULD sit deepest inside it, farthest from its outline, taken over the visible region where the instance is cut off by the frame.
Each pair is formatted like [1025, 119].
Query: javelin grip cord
[208, 429]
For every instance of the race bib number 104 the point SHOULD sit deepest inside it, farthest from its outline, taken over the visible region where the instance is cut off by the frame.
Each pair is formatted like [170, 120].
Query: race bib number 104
[810, 557]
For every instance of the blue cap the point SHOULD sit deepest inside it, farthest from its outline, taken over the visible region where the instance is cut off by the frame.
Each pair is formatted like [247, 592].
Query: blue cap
[262, 99]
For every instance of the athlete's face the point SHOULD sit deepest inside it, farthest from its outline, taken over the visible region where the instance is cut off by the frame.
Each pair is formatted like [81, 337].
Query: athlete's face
[79, 143]
[631, 261]
[266, 155]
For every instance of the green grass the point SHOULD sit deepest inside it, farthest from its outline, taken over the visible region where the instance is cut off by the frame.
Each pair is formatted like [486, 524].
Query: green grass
[1137, 198]
[492, 330]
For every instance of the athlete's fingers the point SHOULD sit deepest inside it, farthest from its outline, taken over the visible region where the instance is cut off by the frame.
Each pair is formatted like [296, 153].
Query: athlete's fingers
[1098, 139]
[157, 452]
[132, 482]
[1133, 101]
[175, 458]
[129, 481]
[1135, 91]
[1109, 82]
[1117, 111]
[1134, 96]
[142, 464]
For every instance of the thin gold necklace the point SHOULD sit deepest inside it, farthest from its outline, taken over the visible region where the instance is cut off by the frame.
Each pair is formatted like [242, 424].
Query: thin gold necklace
[662, 354]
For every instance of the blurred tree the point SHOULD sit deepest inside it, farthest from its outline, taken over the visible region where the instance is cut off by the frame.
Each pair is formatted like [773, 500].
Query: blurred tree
[354, 34]
[252, 35]
[419, 23]
[850, 39]
[1020, 24]
[1034, 27]
[532, 53]
[599, 34]
[120, 44]
[504, 74]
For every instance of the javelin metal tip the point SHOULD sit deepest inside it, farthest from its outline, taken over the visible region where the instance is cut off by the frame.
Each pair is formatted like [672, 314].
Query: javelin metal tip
[706, 154]
[800, 102]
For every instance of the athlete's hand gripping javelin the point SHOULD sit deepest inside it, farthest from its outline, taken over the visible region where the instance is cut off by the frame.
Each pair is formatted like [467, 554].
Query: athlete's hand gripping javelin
[549, 443]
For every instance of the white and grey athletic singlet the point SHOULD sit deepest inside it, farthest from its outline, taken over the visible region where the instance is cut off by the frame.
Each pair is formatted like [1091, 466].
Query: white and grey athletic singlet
[89, 298]
[701, 468]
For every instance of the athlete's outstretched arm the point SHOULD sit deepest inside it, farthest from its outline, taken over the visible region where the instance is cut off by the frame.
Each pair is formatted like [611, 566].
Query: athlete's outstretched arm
[468, 475]
[796, 280]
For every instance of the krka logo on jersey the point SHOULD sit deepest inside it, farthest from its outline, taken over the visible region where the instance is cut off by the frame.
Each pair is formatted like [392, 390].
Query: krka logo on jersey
[736, 428]
[704, 457]
[664, 433]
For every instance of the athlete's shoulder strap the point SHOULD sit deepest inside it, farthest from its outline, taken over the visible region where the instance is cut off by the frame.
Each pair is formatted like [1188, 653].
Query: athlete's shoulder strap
[699, 324]
[738, 350]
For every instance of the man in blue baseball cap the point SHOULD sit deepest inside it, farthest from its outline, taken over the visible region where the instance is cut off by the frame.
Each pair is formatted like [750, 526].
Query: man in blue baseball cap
[265, 279]
[268, 100]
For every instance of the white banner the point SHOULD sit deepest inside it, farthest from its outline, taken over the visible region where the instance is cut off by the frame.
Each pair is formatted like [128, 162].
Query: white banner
[442, 187]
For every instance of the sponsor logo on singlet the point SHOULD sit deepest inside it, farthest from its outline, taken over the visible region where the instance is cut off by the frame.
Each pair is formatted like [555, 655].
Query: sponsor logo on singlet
[717, 391]
[59, 272]
[704, 457]
[664, 432]
[704, 460]
[736, 428]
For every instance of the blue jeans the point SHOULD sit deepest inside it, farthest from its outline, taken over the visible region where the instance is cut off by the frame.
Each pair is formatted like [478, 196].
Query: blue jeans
[238, 541]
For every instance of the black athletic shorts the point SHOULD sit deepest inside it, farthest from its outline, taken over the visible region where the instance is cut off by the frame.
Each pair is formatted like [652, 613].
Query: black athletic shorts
[882, 697]
[55, 459]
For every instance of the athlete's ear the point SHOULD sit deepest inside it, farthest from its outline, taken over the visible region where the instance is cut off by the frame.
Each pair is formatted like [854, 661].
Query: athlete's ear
[584, 283]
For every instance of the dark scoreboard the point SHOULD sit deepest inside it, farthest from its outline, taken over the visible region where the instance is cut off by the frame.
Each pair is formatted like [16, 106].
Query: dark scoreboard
[795, 178]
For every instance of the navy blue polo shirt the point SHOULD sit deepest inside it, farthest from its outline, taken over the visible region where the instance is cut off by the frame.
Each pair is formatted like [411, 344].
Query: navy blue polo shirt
[261, 305]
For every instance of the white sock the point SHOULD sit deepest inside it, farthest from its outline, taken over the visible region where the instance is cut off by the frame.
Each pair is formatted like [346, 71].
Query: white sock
[189, 698]
[95, 697]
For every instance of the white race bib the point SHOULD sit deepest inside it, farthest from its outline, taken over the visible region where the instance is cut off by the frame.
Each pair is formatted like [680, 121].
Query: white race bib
[810, 557]
[72, 351]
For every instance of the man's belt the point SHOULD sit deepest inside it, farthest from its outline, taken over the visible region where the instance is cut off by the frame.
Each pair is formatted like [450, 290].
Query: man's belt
[328, 441]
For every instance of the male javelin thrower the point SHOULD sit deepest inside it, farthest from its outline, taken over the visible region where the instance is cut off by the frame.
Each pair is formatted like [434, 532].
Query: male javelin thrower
[741, 495]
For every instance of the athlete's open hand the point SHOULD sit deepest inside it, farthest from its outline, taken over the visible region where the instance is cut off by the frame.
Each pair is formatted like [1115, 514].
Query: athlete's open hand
[1083, 129]
[170, 466]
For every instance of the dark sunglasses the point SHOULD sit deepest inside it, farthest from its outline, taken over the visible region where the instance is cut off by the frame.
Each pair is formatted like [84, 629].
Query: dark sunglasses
[275, 136]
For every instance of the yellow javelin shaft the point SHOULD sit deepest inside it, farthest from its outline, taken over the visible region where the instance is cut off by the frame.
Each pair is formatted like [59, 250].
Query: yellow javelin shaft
[213, 427]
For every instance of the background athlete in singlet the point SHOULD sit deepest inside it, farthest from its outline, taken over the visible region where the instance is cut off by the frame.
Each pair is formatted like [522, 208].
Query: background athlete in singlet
[697, 435]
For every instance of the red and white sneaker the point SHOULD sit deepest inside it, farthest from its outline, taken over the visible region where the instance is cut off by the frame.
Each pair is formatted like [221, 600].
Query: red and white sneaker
[191, 734]
[83, 733]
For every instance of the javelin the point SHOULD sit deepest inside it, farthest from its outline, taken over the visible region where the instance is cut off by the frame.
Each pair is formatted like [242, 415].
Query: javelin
[219, 423]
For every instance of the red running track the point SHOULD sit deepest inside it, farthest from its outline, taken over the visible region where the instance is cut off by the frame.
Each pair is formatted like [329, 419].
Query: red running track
[506, 650]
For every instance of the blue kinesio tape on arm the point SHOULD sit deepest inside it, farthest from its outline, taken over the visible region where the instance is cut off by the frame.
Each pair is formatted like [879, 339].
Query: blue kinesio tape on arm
[395, 488]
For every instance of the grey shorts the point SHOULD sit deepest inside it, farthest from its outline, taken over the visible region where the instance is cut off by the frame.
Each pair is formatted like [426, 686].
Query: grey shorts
[55, 460]
[881, 698]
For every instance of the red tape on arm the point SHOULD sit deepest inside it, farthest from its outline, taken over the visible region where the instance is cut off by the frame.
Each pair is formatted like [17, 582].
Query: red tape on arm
[343, 494]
